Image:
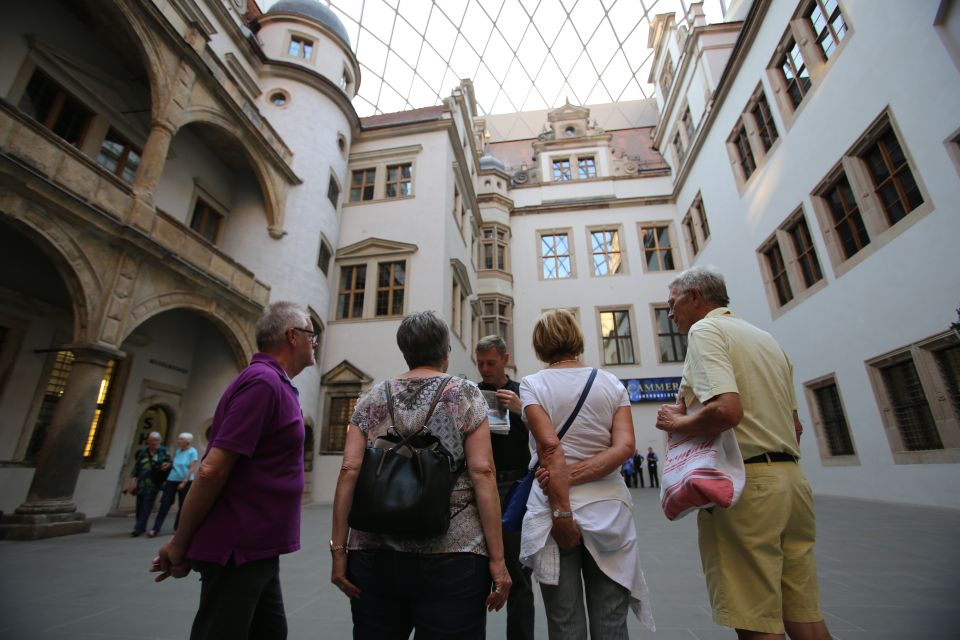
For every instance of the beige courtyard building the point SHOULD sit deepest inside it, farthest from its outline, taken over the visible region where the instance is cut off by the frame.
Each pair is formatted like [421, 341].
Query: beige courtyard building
[169, 167]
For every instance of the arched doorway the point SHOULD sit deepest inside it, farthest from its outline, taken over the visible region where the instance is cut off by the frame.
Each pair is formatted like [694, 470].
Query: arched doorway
[155, 417]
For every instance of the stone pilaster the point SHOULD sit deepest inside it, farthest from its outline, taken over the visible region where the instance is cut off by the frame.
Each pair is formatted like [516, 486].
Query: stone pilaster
[49, 510]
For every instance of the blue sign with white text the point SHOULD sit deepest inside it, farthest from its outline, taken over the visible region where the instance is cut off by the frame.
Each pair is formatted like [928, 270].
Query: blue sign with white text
[652, 389]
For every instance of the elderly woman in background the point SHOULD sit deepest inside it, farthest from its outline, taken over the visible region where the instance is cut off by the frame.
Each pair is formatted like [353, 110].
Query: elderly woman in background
[441, 585]
[146, 478]
[579, 521]
[178, 483]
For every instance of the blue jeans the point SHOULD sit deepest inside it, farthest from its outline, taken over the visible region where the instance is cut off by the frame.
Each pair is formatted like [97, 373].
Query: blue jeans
[145, 499]
[440, 595]
[240, 602]
[607, 602]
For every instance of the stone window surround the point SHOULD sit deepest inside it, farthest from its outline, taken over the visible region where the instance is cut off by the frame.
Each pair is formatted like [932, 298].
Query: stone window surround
[946, 420]
[871, 210]
[674, 245]
[826, 458]
[695, 216]
[801, 31]
[595, 153]
[324, 242]
[342, 392]
[202, 192]
[502, 246]
[631, 319]
[370, 287]
[497, 299]
[624, 263]
[654, 307]
[460, 279]
[335, 181]
[952, 143]
[748, 123]
[379, 160]
[568, 231]
[301, 35]
[794, 273]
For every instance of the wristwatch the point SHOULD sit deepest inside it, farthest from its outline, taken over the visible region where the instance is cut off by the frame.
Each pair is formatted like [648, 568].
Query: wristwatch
[334, 548]
[562, 514]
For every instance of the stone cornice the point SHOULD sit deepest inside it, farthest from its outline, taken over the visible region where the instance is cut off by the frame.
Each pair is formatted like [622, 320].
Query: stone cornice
[586, 204]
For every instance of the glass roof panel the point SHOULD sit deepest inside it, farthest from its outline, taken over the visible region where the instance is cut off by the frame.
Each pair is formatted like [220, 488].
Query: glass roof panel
[521, 54]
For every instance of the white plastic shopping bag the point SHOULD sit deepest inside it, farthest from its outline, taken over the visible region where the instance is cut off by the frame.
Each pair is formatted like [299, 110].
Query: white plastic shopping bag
[700, 472]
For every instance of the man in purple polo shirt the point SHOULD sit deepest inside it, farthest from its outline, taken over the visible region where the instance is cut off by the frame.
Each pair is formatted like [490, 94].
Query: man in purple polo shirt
[243, 509]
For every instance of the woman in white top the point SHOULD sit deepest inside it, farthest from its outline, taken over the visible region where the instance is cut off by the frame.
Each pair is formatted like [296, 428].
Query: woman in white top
[579, 521]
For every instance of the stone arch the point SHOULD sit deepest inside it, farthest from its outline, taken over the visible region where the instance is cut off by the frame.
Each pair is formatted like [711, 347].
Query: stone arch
[69, 259]
[273, 193]
[151, 52]
[237, 331]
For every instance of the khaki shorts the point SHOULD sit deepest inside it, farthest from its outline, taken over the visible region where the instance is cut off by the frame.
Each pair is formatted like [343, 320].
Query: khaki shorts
[758, 555]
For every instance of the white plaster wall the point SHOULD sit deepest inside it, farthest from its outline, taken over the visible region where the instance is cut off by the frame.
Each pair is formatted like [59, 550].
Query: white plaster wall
[189, 162]
[329, 57]
[895, 296]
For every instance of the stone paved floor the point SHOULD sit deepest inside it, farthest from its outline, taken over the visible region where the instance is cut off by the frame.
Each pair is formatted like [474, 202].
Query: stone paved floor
[887, 572]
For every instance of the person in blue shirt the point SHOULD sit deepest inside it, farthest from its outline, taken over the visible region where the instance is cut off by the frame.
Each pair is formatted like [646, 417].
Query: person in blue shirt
[178, 483]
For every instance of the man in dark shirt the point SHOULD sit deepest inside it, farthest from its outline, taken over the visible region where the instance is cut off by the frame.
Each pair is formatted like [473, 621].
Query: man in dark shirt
[511, 455]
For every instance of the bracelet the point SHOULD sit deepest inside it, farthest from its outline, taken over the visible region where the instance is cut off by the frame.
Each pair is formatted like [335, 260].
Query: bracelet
[337, 548]
[562, 514]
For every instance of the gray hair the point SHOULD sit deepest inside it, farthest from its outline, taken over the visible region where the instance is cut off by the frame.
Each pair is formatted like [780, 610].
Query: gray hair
[707, 280]
[273, 324]
[155, 434]
[186, 436]
[492, 342]
[423, 339]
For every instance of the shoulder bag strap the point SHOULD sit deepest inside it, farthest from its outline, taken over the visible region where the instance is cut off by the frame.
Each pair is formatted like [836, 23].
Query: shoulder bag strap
[576, 409]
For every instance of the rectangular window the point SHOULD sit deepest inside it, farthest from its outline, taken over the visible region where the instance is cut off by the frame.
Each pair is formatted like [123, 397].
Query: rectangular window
[119, 157]
[657, 248]
[390, 287]
[206, 220]
[911, 411]
[835, 431]
[399, 180]
[892, 179]
[301, 47]
[666, 75]
[56, 385]
[586, 168]
[555, 256]
[341, 410]
[617, 337]
[94, 434]
[323, 261]
[845, 216]
[778, 273]
[561, 170]
[764, 119]
[702, 214]
[744, 153]
[495, 318]
[353, 279]
[691, 232]
[687, 121]
[333, 192]
[48, 103]
[494, 249]
[828, 24]
[948, 365]
[804, 251]
[361, 184]
[678, 149]
[672, 344]
[605, 246]
[795, 74]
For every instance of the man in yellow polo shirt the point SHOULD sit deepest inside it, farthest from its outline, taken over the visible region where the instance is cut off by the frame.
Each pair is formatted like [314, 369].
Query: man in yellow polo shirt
[757, 556]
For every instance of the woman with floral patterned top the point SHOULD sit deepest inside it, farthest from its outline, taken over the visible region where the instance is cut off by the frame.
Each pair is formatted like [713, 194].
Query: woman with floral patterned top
[440, 586]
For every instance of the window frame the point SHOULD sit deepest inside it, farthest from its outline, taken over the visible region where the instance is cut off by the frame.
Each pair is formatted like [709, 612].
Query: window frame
[607, 228]
[500, 248]
[877, 227]
[378, 162]
[946, 419]
[302, 38]
[696, 228]
[655, 308]
[498, 318]
[631, 323]
[214, 206]
[567, 231]
[793, 274]
[122, 161]
[674, 249]
[827, 457]
[325, 246]
[573, 166]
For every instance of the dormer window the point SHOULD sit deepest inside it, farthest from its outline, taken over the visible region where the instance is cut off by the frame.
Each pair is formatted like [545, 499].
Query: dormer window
[569, 132]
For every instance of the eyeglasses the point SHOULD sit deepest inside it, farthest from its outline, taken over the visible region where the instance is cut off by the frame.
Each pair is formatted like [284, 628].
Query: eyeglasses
[314, 334]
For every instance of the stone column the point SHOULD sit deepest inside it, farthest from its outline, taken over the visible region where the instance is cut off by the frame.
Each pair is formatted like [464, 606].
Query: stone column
[49, 510]
[152, 162]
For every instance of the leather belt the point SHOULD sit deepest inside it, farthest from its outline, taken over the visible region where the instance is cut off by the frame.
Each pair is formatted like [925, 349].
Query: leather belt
[771, 457]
